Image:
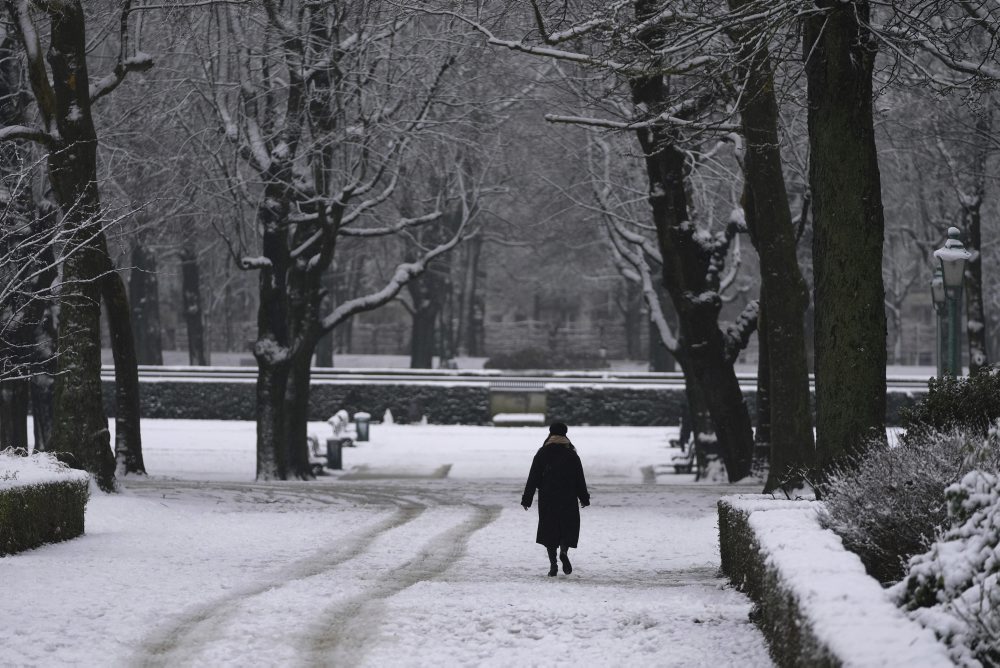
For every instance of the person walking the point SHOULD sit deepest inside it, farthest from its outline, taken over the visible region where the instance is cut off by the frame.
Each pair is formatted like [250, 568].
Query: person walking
[557, 474]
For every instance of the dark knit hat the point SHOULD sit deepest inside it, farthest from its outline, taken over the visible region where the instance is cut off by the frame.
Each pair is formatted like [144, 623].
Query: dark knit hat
[558, 428]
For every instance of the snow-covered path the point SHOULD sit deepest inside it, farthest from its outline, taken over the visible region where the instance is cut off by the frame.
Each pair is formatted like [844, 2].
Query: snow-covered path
[380, 572]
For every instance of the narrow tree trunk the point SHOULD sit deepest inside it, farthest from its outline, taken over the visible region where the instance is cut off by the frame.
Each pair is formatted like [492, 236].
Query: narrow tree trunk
[42, 396]
[468, 344]
[848, 229]
[972, 213]
[128, 438]
[191, 304]
[762, 435]
[422, 338]
[14, 400]
[145, 306]
[784, 296]
[633, 320]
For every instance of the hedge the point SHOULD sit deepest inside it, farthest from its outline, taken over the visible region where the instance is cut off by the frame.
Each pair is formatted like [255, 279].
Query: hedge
[46, 512]
[442, 403]
[816, 605]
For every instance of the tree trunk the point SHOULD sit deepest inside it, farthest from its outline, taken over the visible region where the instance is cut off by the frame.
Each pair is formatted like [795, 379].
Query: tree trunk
[14, 399]
[762, 435]
[632, 320]
[272, 379]
[80, 429]
[422, 338]
[972, 214]
[467, 329]
[848, 229]
[128, 438]
[784, 295]
[297, 413]
[145, 303]
[660, 359]
[191, 304]
[324, 351]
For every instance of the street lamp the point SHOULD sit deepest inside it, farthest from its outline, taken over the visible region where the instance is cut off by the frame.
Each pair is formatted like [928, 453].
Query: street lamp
[952, 259]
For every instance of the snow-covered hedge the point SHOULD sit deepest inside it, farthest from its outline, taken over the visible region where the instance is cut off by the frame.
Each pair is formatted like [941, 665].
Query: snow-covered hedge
[41, 501]
[954, 589]
[605, 405]
[817, 606]
[442, 403]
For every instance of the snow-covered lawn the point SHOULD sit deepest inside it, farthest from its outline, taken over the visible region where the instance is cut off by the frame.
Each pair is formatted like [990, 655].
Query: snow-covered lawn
[199, 565]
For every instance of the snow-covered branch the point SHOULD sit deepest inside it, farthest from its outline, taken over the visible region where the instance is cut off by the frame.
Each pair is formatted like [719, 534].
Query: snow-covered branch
[12, 132]
[403, 224]
[659, 120]
[140, 62]
[404, 273]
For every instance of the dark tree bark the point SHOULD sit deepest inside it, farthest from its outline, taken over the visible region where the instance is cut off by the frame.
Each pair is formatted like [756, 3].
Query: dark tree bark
[426, 296]
[686, 276]
[80, 429]
[630, 305]
[784, 295]
[972, 218]
[324, 351]
[762, 434]
[469, 342]
[660, 359]
[848, 230]
[14, 400]
[145, 303]
[128, 438]
[191, 305]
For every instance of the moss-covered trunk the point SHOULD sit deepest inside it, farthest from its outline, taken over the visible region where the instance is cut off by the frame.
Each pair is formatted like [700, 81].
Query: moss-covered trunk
[850, 325]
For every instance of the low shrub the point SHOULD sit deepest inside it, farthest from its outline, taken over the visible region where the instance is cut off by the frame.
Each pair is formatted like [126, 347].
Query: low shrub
[953, 588]
[41, 501]
[536, 358]
[887, 505]
[970, 404]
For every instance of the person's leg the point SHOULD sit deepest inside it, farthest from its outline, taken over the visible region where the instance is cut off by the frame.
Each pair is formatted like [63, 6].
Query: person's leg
[553, 569]
[564, 557]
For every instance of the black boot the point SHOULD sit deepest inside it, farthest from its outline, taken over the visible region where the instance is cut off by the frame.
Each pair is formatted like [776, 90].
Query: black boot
[564, 557]
[553, 569]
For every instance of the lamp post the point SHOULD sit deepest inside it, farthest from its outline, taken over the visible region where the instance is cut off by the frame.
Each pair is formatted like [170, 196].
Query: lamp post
[952, 259]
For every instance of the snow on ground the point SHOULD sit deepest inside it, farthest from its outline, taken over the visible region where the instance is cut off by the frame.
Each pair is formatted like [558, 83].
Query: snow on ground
[384, 565]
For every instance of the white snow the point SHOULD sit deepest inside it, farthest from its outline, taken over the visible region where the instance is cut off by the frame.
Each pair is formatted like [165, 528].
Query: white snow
[847, 610]
[38, 468]
[388, 570]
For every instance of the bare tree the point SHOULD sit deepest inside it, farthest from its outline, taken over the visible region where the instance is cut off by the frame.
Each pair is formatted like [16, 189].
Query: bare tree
[63, 95]
[329, 101]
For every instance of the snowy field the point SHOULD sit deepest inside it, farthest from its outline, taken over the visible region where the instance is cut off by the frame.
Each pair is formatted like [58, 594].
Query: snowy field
[385, 565]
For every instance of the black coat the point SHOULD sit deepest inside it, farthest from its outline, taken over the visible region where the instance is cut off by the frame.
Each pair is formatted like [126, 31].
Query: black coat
[557, 474]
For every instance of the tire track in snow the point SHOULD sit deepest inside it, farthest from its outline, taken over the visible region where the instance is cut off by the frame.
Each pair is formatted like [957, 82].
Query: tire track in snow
[348, 627]
[177, 642]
